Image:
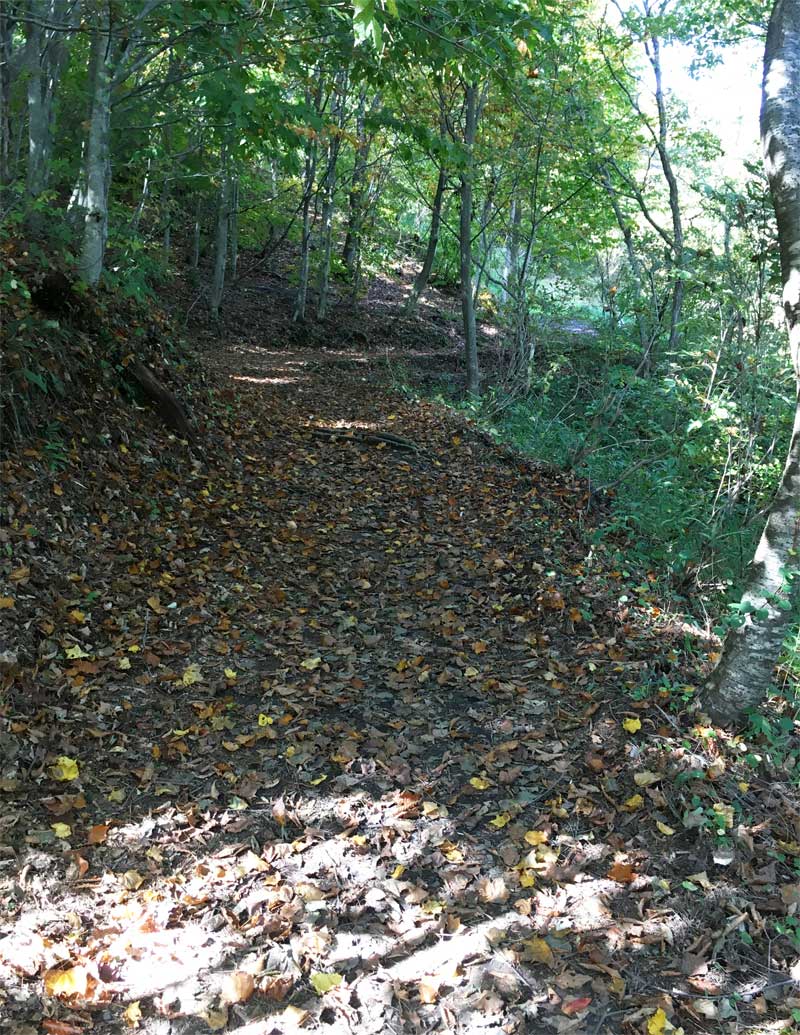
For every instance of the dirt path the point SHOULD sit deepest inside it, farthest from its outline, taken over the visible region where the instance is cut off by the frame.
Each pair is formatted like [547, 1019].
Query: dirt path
[307, 730]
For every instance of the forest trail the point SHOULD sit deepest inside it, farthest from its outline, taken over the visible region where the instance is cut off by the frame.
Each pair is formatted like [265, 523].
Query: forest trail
[306, 729]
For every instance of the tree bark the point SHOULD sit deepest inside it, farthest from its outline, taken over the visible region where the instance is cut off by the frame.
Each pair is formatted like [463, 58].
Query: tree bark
[750, 652]
[422, 278]
[309, 177]
[465, 241]
[220, 246]
[98, 161]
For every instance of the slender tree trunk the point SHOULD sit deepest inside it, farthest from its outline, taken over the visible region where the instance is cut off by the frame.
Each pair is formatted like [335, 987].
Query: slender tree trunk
[645, 340]
[220, 246]
[329, 196]
[465, 241]
[234, 226]
[750, 653]
[356, 197]
[98, 164]
[422, 278]
[45, 55]
[678, 285]
[309, 178]
[6, 48]
[194, 262]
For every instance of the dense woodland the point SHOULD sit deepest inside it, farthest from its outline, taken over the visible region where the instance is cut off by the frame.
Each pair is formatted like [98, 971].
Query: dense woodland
[397, 617]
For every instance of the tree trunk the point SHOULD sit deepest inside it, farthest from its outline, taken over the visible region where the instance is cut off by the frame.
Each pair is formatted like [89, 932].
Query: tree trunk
[465, 241]
[6, 48]
[97, 163]
[678, 285]
[309, 178]
[45, 55]
[234, 226]
[220, 246]
[744, 673]
[356, 197]
[194, 261]
[422, 278]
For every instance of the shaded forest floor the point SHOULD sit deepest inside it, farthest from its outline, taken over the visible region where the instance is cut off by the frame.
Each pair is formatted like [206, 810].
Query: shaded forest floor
[337, 720]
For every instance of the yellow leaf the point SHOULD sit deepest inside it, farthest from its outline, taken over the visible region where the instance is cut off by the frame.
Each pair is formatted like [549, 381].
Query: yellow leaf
[657, 1023]
[6, 603]
[133, 1014]
[536, 837]
[230, 673]
[538, 951]
[311, 663]
[429, 989]
[452, 854]
[632, 725]
[646, 778]
[77, 616]
[527, 879]
[322, 983]
[318, 780]
[155, 604]
[65, 983]
[64, 769]
[132, 879]
[75, 652]
[479, 783]
[398, 871]
[134, 648]
[265, 720]
[359, 839]
[664, 829]
[501, 820]
[124, 664]
[633, 803]
[743, 786]
[470, 672]
[191, 675]
[117, 795]
[61, 830]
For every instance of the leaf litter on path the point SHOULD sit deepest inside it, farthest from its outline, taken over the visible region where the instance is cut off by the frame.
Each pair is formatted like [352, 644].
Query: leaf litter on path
[303, 730]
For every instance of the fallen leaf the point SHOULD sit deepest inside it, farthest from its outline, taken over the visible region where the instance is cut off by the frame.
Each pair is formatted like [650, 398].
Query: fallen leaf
[65, 983]
[575, 1006]
[133, 1014]
[657, 1022]
[538, 951]
[237, 987]
[322, 983]
[632, 725]
[65, 768]
[191, 675]
[622, 872]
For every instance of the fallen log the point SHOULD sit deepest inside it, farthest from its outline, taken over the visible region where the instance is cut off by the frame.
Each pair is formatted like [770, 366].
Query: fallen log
[384, 438]
[165, 402]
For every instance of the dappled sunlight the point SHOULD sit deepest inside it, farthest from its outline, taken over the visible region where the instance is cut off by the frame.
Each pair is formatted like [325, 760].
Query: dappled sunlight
[266, 380]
